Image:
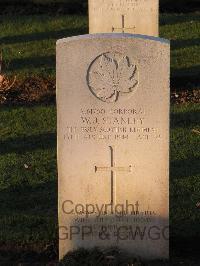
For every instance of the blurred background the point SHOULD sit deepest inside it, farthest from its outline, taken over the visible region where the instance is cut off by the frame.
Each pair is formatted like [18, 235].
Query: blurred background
[80, 6]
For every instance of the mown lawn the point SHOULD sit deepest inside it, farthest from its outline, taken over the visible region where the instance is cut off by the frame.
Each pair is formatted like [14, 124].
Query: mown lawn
[28, 43]
[28, 175]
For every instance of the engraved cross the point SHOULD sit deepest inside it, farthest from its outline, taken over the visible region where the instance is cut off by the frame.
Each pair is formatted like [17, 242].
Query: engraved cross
[123, 28]
[113, 169]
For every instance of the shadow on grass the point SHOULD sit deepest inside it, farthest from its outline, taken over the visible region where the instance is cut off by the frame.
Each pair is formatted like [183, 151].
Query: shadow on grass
[178, 44]
[185, 247]
[187, 72]
[185, 119]
[43, 7]
[185, 168]
[188, 77]
[39, 36]
[10, 255]
[46, 62]
[169, 19]
[26, 199]
[20, 145]
[28, 222]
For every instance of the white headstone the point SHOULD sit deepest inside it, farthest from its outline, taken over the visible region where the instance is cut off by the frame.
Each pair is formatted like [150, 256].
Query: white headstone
[113, 143]
[129, 16]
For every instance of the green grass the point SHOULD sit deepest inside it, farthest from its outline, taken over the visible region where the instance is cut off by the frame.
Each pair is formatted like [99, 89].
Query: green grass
[28, 197]
[185, 171]
[28, 42]
[184, 33]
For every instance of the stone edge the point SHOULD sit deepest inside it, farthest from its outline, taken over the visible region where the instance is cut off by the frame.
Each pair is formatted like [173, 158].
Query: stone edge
[111, 36]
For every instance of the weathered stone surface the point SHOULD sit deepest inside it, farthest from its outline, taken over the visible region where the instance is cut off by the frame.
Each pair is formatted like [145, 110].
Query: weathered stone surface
[113, 143]
[130, 16]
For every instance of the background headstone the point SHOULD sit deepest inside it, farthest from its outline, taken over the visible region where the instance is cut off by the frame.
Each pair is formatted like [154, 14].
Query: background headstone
[129, 16]
[113, 143]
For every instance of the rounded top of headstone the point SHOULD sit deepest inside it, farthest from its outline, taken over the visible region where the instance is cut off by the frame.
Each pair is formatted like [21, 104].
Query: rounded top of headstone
[112, 36]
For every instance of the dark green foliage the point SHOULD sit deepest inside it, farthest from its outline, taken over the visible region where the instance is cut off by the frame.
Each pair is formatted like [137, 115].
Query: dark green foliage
[44, 6]
[179, 5]
[80, 6]
[84, 257]
[99, 257]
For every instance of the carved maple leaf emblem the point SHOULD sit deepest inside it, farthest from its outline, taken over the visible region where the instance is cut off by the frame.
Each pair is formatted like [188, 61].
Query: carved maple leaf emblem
[110, 78]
